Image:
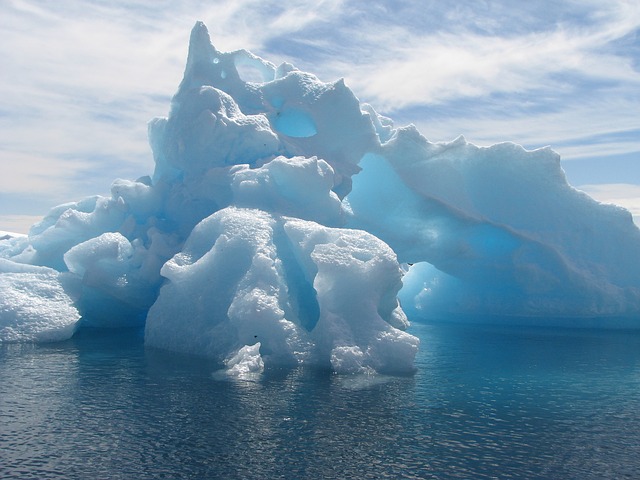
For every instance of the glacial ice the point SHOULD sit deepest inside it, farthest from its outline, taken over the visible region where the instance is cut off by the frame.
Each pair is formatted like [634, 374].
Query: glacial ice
[33, 304]
[309, 294]
[495, 232]
[285, 223]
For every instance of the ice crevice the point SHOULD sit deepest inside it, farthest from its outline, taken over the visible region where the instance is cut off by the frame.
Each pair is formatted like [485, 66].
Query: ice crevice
[303, 298]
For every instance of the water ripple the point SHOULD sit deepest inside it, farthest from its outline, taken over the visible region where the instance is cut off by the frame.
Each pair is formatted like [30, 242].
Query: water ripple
[484, 403]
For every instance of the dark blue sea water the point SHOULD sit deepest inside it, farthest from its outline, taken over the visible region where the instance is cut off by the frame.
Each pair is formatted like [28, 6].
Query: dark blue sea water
[485, 402]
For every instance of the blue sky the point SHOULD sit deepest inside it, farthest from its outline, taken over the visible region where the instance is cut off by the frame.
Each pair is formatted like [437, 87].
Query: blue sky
[79, 80]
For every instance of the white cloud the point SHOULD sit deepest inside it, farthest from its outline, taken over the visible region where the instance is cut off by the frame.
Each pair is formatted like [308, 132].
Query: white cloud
[78, 85]
[435, 67]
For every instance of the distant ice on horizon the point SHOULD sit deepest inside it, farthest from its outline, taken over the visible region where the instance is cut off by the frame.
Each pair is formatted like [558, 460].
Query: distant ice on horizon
[286, 223]
[8, 235]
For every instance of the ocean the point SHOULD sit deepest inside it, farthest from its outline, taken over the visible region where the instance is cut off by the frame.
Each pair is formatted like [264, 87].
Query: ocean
[484, 402]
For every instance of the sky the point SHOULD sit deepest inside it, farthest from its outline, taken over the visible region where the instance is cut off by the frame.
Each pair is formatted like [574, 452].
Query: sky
[80, 80]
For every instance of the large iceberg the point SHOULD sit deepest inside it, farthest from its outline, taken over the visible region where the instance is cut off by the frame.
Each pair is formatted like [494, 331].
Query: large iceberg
[286, 223]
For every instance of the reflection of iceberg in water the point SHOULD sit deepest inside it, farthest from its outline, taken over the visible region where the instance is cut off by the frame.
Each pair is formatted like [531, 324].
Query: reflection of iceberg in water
[276, 215]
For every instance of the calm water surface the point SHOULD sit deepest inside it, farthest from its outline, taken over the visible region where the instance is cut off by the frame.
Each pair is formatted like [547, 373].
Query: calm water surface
[485, 402]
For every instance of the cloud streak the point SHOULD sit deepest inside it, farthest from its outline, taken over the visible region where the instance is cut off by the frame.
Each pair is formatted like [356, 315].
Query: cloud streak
[542, 67]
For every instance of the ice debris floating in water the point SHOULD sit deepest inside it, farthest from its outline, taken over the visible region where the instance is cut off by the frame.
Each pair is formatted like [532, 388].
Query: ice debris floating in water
[272, 228]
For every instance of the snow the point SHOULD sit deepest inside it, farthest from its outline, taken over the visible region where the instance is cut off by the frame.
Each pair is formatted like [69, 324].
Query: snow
[34, 305]
[287, 224]
[308, 293]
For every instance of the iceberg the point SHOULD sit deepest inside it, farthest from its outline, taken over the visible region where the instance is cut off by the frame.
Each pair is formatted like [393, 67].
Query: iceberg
[496, 232]
[286, 223]
[309, 294]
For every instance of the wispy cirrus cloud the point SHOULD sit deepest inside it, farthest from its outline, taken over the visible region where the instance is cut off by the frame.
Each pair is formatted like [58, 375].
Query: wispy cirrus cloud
[550, 61]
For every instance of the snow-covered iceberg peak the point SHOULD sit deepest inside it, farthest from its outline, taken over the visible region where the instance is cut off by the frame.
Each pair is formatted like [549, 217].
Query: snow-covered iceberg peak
[219, 116]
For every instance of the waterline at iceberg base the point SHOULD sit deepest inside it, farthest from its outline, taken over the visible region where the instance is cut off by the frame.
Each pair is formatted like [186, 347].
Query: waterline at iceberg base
[284, 220]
